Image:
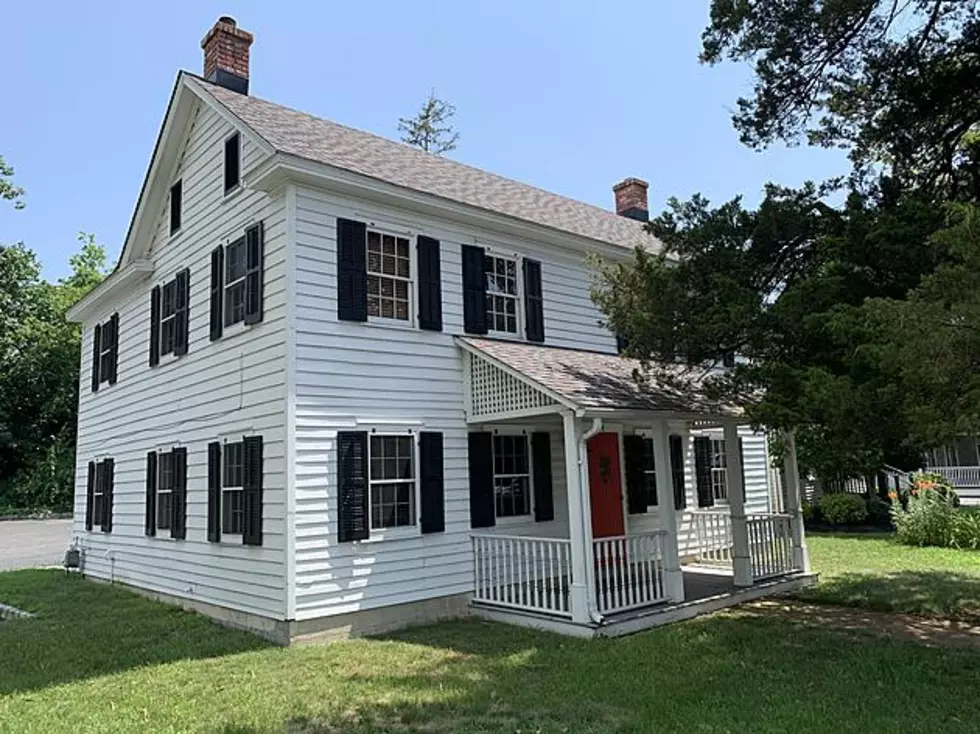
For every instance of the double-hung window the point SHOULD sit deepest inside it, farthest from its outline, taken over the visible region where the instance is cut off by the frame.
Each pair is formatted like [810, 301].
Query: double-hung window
[502, 294]
[649, 472]
[389, 276]
[165, 489]
[235, 282]
[391, 460]
[107, 351]
[511, 475]
[232, 489]
[168, 317]
[719, 470]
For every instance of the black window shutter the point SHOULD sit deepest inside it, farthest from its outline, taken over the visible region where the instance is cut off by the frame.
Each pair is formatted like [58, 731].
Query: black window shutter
[150, 519]
[430, 284]
[214, 492]
[433, 514]
[351, 270]
[677, 471]
[114, 328]
[636, 494]
[183, 309]
[702, 470]
[352, 481]
[178, 503]
[533, 301]
[482, 511]
[90, 496]
[217, 291]
[622, 343]
[474, 290]
[254, 272]
[108, 479]
[544, 500]
[155, 326]
[96, 349]
[252, 490]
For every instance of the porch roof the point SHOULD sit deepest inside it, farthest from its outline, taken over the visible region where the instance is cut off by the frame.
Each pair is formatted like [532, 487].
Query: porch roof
[591, 382]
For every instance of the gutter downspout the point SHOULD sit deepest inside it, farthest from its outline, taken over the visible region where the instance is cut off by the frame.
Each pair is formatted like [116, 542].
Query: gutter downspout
[587, 516]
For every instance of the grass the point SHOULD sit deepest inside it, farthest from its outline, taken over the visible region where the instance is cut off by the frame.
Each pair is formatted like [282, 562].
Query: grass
[99, 659]
[874, 572]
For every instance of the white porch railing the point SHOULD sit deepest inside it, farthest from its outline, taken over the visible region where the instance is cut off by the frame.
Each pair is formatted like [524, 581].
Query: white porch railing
[629, 571]
[713, 535]
[958, 476]
[770, 545]
[519, 572]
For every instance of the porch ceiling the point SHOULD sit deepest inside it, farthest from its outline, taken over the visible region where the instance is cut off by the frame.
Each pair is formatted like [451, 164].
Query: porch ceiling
[514, 378]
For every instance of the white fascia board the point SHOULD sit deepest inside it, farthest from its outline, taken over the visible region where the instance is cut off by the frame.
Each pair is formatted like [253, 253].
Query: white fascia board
[110, 289]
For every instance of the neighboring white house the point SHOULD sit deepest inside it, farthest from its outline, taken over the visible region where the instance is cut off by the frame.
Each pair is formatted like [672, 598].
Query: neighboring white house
[959, 463]
[338, 385]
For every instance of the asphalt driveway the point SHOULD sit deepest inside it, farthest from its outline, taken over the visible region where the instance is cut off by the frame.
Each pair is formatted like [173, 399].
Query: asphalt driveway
[33, 543]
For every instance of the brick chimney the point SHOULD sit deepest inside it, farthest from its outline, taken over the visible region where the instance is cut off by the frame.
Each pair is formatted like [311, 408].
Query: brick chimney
[226, 55]
[631, 199]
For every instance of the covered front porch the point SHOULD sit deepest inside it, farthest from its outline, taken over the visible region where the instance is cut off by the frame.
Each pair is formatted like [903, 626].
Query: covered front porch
[620, 550]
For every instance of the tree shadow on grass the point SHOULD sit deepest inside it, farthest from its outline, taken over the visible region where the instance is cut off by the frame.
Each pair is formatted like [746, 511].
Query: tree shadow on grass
[933, 593]
[83, 629]
[718, 674]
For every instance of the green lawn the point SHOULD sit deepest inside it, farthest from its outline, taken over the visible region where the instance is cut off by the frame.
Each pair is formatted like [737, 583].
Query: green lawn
[98, 659]
[874, 572]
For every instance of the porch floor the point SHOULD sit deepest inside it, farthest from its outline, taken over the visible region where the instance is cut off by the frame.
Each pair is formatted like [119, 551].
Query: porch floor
[704, 582]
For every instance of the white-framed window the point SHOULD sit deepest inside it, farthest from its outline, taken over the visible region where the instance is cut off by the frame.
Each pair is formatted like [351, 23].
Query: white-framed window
[392, 478]
[232, 488]
[719, 470]
[235, 267]
[389, 276]
[503, 301]
[107, 347]
[165, 489]
[649, 472]
[511, 475]
[168, 317]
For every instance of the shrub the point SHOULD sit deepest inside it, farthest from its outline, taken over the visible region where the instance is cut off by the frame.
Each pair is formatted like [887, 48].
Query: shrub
[928, 517]
[843, 509]
[966, 529]
[810, 510]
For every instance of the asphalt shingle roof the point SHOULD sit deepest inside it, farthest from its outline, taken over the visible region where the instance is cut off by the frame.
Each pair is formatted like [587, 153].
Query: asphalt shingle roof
[595, 380]
[322, 141]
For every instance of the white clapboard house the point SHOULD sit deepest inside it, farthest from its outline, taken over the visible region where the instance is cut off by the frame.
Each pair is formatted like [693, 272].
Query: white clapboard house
[337, 385]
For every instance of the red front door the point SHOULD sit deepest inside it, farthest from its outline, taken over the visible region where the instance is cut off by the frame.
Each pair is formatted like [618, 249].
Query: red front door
[605, 485]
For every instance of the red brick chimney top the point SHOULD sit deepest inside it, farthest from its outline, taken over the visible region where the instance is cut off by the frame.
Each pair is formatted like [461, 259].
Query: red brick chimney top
[226, 55]
[631, 199]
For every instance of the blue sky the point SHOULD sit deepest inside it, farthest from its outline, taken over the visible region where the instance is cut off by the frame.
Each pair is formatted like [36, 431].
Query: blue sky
[570, 96]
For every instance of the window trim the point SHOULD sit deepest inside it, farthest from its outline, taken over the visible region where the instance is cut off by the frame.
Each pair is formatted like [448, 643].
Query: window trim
[527, 517]
[519, 334]
[106, 326]
[237, 186]
[159, 488]
[397, 531]
[238, 439]
[225, 285]
[719, 471]
[413, 281]
[172, 318]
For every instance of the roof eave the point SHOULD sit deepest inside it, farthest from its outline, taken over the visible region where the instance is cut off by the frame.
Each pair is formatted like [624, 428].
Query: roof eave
[117, 282]
[283, 167]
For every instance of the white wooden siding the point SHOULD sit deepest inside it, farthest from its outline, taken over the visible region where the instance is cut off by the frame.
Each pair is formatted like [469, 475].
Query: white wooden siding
[218, 390]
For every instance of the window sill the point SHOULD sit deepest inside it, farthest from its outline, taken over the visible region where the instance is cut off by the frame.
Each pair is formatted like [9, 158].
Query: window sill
[389, 534]
[503, 522]
[398, 324]
[232, 193]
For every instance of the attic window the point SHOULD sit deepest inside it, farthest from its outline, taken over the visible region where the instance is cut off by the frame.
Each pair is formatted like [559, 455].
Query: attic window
[176, 201]
[233, 158]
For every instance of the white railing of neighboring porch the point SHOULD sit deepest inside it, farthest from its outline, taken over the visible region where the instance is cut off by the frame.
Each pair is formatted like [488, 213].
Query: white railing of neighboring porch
[958, 476]
[518, 572]
[713, 535]
[629, 571]
[770, 545]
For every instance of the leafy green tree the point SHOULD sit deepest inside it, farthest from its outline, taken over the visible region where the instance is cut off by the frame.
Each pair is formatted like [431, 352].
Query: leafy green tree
[39, 363]
[8, 191]
[431, 129]
[785, 287]
[895, 81]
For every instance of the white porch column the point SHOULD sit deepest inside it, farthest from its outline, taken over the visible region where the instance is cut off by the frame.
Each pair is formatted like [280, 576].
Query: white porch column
[581, 546]
[741, 558]
[673, 577]
[801, 557]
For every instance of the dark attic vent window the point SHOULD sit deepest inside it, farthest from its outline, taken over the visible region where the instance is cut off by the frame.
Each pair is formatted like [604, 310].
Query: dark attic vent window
[233, 155]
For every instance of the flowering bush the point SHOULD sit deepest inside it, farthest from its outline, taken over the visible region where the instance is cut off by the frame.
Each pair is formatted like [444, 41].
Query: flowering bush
[927, 514]
[843, 509]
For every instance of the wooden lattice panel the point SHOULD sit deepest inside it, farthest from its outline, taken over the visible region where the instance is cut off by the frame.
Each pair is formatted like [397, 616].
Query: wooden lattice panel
[494, 391]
